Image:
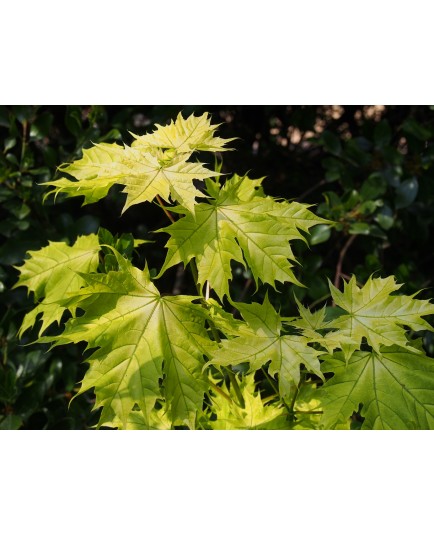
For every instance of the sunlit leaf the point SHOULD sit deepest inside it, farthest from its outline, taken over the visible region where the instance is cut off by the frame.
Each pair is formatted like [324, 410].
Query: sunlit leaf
[242, 225]
[152, 166]
[141, 337]
[266, 343]
[53, 274]
[374, 314]
[394, 386]
[184, 136]
[254, 416]
[137, 420]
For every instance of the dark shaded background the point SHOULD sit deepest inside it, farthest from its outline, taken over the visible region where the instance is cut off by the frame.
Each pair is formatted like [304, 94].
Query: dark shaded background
[367, 168]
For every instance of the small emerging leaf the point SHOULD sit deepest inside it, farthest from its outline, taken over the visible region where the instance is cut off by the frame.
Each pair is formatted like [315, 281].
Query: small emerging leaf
[255, 415]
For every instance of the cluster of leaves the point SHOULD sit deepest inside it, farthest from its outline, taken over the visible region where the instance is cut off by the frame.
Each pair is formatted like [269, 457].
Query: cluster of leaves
[368, 168]
[378, 187]
[161, 361]
[36, 385]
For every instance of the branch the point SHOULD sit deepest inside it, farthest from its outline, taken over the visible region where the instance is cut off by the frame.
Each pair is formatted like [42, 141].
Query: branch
[160, 202]
[342, 254]
[312, 189]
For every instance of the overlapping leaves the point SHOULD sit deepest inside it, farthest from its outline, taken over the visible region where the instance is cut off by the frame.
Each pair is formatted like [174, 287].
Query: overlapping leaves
[184, 136]
[141, 337]
[254, 416]
[264, 343]
[155, 164]
[148, 352]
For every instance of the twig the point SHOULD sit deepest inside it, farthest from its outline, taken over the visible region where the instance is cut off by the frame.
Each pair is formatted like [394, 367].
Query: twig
[235, 386]
[220, 391]
[319, 300]
[160, 202]
[291, 411]
[348, 278]
[243, 294]
[342, 254]
[23, 145]
[312, 189]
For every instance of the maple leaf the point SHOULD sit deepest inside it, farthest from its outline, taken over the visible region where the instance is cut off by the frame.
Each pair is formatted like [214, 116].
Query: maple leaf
[310, 324]
[372, 313]
[265, 343]
[242, 225]
[226, 322]
[317, 329]
[95, 173]
[143, 175]
[52, 274]
[254, 416]
[155, 164]
[394, 385]
[170, 179]
[141, 337]
[184, 136]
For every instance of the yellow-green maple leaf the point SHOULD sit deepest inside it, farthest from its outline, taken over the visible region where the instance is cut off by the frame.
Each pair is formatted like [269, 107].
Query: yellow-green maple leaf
[394, 386]
[239, 224]
[95, 173]
[254, 416]
[310, 324]
[141, 336]
[184, 136]
[146, 169]
[156, 419]
[266, 343]
[52, 273]
[372, 313]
